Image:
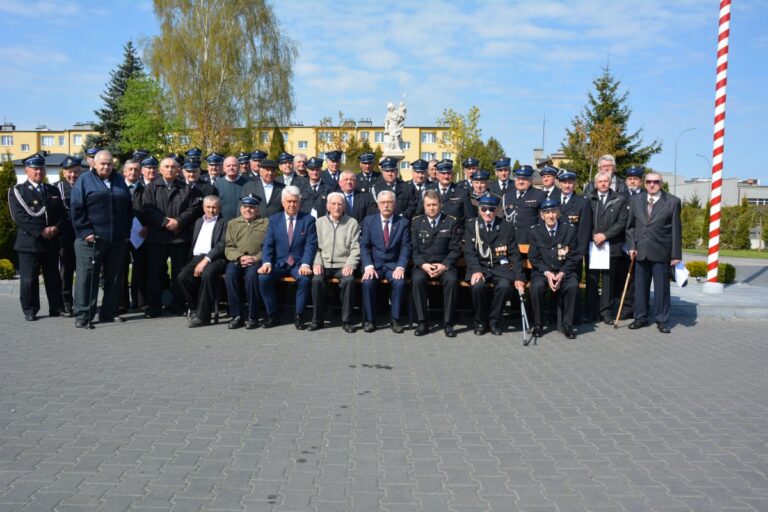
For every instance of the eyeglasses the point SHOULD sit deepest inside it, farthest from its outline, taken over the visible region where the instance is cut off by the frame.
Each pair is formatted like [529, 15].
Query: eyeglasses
[487, 209]
[653, 182]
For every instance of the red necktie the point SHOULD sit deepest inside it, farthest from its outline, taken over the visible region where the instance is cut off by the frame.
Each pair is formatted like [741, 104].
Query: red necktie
[386, 233]
[290, 239]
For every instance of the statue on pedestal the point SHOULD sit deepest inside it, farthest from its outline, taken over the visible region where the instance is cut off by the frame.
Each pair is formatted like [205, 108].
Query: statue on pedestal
[394, 122]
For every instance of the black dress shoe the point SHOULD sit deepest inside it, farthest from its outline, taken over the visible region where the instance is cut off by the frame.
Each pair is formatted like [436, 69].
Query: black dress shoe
[299, 323]
[607, 320]
[637, 324]
[394, 324]
[67, 312]
[480, 329]
[369, 327]
[538, 331]
[449, 332]
[627, 315]
[235, 323]
[30, 317]
[54, 314]
[663, 328]
[314, 326]
[348, 327]
[152, 313]
[496, 330]
[110, 319]
[251, 324]
[271, 321]
[569, 332]
[81, 322]
[421, 329]
[197, 322]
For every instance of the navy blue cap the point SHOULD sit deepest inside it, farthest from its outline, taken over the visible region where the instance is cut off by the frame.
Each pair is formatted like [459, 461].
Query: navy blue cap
[70, 162]
[192, 165]
[149, 162]
[140, 154]
[315, 163]
[420, 165]
[284, 157]
[258, 155]
[92, 151]
[566, 175]
[489, 200]
[367, 158]
[481, 175]
[470, 162]
[524, 171]
[636, 171]
[550, 204]
[214, 159]
[502, 163]
[388, 164]
[334, 156]
[250, 200]
[268, 164]
[194, 153]
[35, 161]
[243, 157]
[445, 165]
[549, 170]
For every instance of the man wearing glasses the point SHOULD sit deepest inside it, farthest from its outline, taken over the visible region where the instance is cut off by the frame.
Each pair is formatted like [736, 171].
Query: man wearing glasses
[607, 163]
[654, 238]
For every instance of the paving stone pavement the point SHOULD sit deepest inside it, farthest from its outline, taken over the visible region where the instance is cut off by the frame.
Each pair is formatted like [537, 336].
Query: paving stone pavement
[149, 415]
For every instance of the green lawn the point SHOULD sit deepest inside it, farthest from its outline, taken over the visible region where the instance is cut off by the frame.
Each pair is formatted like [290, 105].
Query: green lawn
[733, 253]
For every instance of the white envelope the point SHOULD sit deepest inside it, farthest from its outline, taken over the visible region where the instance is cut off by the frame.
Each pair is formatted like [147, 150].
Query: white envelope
[681, 274]
[599, 257]
[136, 240]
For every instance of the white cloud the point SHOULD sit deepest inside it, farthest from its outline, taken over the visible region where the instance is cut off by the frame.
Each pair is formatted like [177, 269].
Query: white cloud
[41, 9]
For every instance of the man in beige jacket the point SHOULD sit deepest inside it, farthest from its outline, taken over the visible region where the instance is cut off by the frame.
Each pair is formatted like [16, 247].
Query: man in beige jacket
[338, 254]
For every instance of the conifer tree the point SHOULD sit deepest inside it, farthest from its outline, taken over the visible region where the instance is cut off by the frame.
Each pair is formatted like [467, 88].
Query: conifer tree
[7, 226]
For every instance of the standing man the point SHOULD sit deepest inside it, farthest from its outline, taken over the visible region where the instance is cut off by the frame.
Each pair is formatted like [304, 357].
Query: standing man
[521, 203]
[39, 213]
[367, 176]
[405, 198]
[191, 172]
[385, 248]
[554, 267]
[266, 189]
[287, 174]
[332, 174]
[607, 163]
[576, 210]
[419, 183]
[170, 210]
[357, 203]
[70, 171]
[102, 214]
[338, 254]
[479, 188]
[502, 183]
[548, 175]
[432, 170]
[436, 239]
[148, 171]
[214, 169]
[289, 249]
[135, 293]
[315, 192]
[199, 278]
[300, 164]
[255, 164]
[469, 166]
[244, 166]
[654, 236]
[230, 188]
[491, 254]
[634, 181]
[454, 199]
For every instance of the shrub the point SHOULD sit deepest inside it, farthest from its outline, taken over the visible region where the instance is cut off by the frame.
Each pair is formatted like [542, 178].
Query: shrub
[726, 273]
[697, 268]
[6, 269]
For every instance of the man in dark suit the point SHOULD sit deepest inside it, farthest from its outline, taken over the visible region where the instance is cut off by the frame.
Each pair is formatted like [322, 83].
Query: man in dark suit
[287, 175]
[654, 236]
[314, 192]
[633, 178]
[266, 189]
[554, 267]
[39, 213]
[502, 183]
[491, 255]
[385, 248]
[357, 203]
[191, 174]
[199, 278]
[609, 224]
[367, 176]
[289, 249]
[521, 203]
[436, 240]
[333, 172]
[70, 171]
[405, 199]
[253, 162]
[135, 291]
[607, 163]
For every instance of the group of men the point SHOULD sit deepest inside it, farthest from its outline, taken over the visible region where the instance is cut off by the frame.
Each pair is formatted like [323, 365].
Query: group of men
[254, 221]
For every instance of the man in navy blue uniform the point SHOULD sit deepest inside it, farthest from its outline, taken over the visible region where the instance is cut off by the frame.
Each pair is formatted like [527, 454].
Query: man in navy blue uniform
[70, 171]
[289, 249]
[333, 172]
[502, 183]
[454, 199]
[548, 176]
[419, 183]
[385, 248]
[367, 176]
[314, 192]
[521, 203]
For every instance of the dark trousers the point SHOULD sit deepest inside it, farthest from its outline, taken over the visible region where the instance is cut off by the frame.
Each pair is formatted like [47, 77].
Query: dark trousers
[135, 292]
[269, 294]
[158, 255]
[30, 264]
[646, 270]
[450, 285]
[346, 285]
[200, 292]
[369, 294]
[67, 270]
[95, 260]
[500, 293]
[250, 277]
[566, 296]
[602, 306]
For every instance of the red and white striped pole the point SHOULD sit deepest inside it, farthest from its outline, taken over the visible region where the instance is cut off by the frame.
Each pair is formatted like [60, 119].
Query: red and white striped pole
[712, 286]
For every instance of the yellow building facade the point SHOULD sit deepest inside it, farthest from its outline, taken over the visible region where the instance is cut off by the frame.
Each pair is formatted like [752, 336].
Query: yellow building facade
[19, 144]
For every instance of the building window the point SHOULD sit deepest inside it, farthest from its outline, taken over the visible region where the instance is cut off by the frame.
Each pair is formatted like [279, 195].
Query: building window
[428, 155]
[6, 140]
[365, 135]
[6, 157]
[46, 140]
[24, 148]
[303, 144]
[757, 201]
[61, 140]
[344, 136]
[404, 165]
[285, 136]
[446, 156]
[184, 140]
[77, 140]
[321, 155]
[325, 136]
[378, 137]
[264, 137]
[405, 145]
[428, 138]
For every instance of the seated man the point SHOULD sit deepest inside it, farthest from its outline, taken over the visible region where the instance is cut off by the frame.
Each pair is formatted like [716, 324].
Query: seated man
[385, 248]
[554, 260]
[243, 250]
[289, 249]
[490, 251]
[338, 254]
[436, 247]
[198, 278]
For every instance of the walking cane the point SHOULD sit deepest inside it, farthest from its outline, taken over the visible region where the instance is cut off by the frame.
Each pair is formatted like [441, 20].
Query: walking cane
[90, 288]
[624, 293]
[526, 325]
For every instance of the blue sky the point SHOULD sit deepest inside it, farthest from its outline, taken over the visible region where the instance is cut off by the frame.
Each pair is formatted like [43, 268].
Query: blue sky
[518, 61]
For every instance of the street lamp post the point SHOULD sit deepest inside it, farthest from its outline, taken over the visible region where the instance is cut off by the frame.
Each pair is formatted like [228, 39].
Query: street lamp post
[709, 162]
[674, 175]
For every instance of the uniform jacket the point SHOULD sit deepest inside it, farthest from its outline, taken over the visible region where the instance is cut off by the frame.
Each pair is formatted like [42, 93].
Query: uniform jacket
[206, 188]
[337, 246]
[218, 238]
[456, 203]
[267, 208]
[578, 212]
[439, 245]
[405, 199]
[296, 180]
[315, 199]
[96, 209]
[419, 194]
[543, 249]
[245, 238]
[364, 183]
[523, 212]
[68, 230]
[327, 178]
[492, 252]
[658, 238]
[177, 201]
[611, 219]
[302, 247]
[32, 213]
[372, 250]
[494, 187]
